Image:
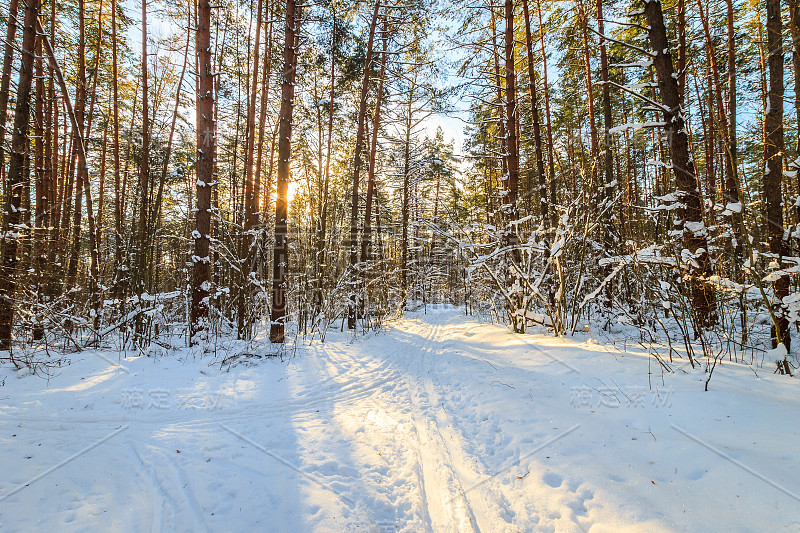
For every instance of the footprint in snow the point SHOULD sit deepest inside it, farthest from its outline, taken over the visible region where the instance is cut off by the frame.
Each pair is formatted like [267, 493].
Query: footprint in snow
[553, 480]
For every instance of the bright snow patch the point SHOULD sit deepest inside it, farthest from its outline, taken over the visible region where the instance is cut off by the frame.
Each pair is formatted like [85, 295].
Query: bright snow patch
[439, 423]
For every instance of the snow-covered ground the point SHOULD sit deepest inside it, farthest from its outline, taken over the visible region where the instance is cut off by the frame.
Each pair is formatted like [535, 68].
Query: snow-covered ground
[437, 423]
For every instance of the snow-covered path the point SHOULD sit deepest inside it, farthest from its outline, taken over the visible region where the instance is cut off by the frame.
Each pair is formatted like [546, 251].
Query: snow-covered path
[439, 423]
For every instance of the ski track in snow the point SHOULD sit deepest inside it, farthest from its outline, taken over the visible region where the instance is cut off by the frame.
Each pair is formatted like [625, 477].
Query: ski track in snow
[438, 423]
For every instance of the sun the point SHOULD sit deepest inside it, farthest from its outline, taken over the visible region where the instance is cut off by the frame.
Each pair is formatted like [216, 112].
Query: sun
[294, 187]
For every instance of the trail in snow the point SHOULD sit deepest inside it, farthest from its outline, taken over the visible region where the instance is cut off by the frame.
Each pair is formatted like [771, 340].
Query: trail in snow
[438, 423]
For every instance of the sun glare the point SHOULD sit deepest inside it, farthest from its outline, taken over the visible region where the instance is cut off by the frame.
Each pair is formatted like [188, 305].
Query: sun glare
[290, 193]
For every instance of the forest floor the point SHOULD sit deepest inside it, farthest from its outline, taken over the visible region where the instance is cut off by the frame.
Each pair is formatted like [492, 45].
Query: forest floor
[437, 423]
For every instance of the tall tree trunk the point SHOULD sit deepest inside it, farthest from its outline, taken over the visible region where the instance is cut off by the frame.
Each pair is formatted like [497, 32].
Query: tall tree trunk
[694, 230]
[41, 190]
[406, 191]
[206, 153]
[537, 130]
[143, 269]
[794, 24]
[551, 150]
[732, 148]
[352, 307]
[118, 287]
[511, 188]
[773, 174]
[280, 263]
[317, 297]
[13, 200]
[608, 186]
[51, 169]
[5, 82]
[218, 56]
[501, 115]
[512, 158]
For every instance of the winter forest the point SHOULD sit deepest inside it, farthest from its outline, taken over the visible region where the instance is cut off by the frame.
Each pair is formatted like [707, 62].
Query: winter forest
[482, 228]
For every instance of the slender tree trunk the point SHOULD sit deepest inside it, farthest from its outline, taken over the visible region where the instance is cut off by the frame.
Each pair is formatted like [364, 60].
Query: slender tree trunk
[80, 113]
[262, 120]
[250, 198]
[102, 190]
[680, 62]
[68, 171]
[64, 188]
[96, 73]
[406, 191]
[378, 231]
[251, 202]
[694, 231]
[280, 263]
[13, 201]
[730, 186]
[317, 297]
[362, 111]
[51, 155]
[589, 89]
[323, 217]
[630, 194]
[41, 189]
[711, 148]
[366, 237]
[51, 172]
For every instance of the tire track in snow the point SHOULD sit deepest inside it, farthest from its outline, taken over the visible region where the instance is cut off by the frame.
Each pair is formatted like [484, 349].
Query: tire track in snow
[168, 479]
[446, 505]
[488, 508]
